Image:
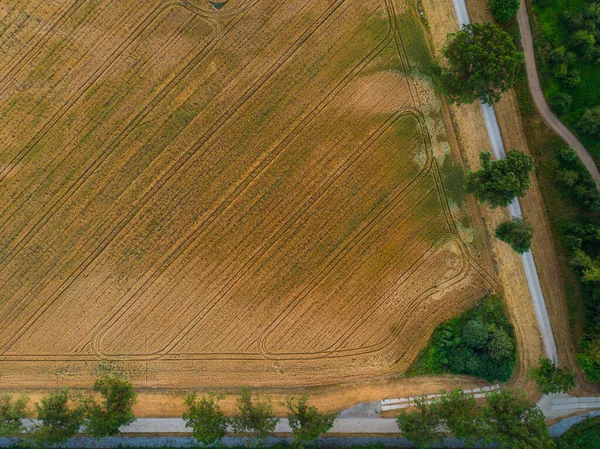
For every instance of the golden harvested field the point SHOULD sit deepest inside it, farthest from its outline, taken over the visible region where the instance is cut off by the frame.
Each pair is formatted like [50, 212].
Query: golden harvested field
[265, 194]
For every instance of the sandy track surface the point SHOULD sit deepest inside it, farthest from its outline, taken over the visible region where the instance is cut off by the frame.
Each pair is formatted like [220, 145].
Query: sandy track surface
[539, 100]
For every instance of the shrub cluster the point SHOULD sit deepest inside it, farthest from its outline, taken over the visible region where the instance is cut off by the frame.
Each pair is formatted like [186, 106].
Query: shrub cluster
[573, 179]
[478, 343]
[61, 414]
[255, 419]
[582, 241]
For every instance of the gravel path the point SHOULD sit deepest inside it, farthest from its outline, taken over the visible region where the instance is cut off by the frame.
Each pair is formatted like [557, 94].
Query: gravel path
[540, 101]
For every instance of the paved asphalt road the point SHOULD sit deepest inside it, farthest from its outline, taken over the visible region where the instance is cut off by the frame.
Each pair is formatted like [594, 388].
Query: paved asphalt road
[540, 101]
[535, 289]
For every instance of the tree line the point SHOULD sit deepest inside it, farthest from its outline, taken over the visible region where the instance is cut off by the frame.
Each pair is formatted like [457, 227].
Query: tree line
[61, 414]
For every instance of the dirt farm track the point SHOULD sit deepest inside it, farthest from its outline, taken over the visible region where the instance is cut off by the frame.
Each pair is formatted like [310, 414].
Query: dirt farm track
[263, 194]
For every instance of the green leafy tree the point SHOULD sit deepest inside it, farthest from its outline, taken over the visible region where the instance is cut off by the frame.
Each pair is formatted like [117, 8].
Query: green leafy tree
[590, 267]
[12, 413]
[517, 233]
[552, 379]
[479, 62]
[475, 334]
[59, 417]
[497, 183]
[422, 424]
[585, 43]
[561, 102]
[500, 345]
[118, 398]
[459, 413]
[306, 421]
[255, 417]
[514, 422]
[205, 418]
[504, 10]
[590, 122]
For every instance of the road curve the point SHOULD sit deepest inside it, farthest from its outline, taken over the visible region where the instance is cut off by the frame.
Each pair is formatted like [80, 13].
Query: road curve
[533, 281]
[540, 101]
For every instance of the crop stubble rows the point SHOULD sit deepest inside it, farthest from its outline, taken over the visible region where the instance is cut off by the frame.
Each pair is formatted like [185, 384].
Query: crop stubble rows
[248, 196]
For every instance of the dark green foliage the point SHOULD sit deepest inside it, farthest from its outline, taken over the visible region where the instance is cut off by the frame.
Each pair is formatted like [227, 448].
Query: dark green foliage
[255, 417]
[205, 418]
[582, 240]
[497, 183]
[501, 345]
[422, 424]
[590, 367]
[513, 422]
[552, 379]
[479, 63]
[306, 421]
[12, 411]
[58, 420]
[590, 122]
[561, 102]
[118, 397]
[517, 233]
[475, 334]
[458, 411]
[574, 180]
[504, 10]
[567, 34]
[507, 419]
[448, 352]
[585, 435]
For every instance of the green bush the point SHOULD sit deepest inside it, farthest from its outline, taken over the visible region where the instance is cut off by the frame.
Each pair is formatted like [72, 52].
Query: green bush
[590, 122]
[475, 334]
[206, 419]
[590, 367]
[574, 180]
[59, 415]
[457, 346]
[561, 102]
[585, 435]
[517, 233]
[12, 412]
[504, 10]
[118, 398]
[552, 379]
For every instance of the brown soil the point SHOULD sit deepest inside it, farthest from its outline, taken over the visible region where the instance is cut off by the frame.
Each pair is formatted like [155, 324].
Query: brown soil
[206, 200]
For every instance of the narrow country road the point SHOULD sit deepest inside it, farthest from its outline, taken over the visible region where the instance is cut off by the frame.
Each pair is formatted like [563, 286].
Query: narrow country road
[533, 281]
[540, 101]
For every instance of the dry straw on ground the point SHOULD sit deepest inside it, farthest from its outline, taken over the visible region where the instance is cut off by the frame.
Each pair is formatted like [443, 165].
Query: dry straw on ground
[257, 195]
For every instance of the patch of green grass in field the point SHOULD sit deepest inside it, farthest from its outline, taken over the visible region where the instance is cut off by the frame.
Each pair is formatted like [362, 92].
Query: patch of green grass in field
[453, 177]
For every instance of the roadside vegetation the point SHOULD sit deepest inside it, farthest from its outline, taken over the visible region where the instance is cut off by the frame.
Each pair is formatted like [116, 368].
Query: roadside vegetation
[572, 202]
[479, 62]
[552, 379]
[517, 232]
[567, 36]
[479, 343]
[585, 435]
[507, 419]
[254, 420]
[61, 414]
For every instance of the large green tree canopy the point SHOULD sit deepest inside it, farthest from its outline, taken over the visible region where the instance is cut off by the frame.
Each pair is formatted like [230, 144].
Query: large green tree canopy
[498, 182]
[479, 62]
